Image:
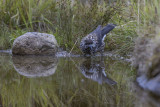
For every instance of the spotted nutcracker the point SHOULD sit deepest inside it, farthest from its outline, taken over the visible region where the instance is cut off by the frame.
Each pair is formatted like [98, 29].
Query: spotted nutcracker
[94, 42]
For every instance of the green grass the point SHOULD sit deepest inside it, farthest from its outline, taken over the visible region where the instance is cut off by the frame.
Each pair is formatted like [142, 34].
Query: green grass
[147, 45]
[68, 21]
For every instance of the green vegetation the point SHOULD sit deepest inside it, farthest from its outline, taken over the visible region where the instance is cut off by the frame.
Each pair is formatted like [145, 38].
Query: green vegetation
[147, 44]
[68, 21]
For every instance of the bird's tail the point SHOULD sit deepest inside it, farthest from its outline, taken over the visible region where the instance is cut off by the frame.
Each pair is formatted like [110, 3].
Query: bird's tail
[107, 29]
[109, 81]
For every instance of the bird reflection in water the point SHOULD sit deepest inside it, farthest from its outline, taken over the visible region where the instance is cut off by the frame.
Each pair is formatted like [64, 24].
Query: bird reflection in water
[95, 70]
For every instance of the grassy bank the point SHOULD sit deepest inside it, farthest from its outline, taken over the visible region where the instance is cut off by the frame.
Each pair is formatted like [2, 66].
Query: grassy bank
[68, 21]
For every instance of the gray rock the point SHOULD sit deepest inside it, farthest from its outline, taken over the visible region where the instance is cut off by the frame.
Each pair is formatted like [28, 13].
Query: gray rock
[34, 43]
[147, 63]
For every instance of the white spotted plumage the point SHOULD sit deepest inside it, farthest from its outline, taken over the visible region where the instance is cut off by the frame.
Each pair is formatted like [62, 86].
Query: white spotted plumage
[94, 42]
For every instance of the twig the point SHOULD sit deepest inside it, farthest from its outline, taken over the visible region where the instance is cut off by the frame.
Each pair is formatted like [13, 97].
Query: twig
[73, 46]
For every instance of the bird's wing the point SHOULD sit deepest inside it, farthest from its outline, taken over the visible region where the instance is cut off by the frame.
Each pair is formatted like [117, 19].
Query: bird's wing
[98, 32]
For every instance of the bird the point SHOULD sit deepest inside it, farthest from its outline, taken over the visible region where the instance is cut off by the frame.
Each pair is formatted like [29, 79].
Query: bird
[94, 41]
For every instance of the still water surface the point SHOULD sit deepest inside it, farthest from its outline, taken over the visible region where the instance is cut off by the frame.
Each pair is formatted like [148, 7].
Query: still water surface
[35, 81]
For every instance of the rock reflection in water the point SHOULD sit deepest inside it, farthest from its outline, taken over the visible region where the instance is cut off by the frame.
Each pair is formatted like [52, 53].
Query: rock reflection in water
[35, 66]
[95, 70]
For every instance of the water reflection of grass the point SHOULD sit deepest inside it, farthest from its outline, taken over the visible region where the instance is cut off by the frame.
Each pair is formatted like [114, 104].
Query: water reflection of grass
[68, 87]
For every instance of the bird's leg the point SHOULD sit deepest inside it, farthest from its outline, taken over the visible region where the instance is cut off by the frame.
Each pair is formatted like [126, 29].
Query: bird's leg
[84, 55]
[92, 54]
[102, 52]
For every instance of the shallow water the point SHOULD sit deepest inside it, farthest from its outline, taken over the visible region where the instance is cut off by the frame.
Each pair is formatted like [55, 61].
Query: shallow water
[35, 81]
